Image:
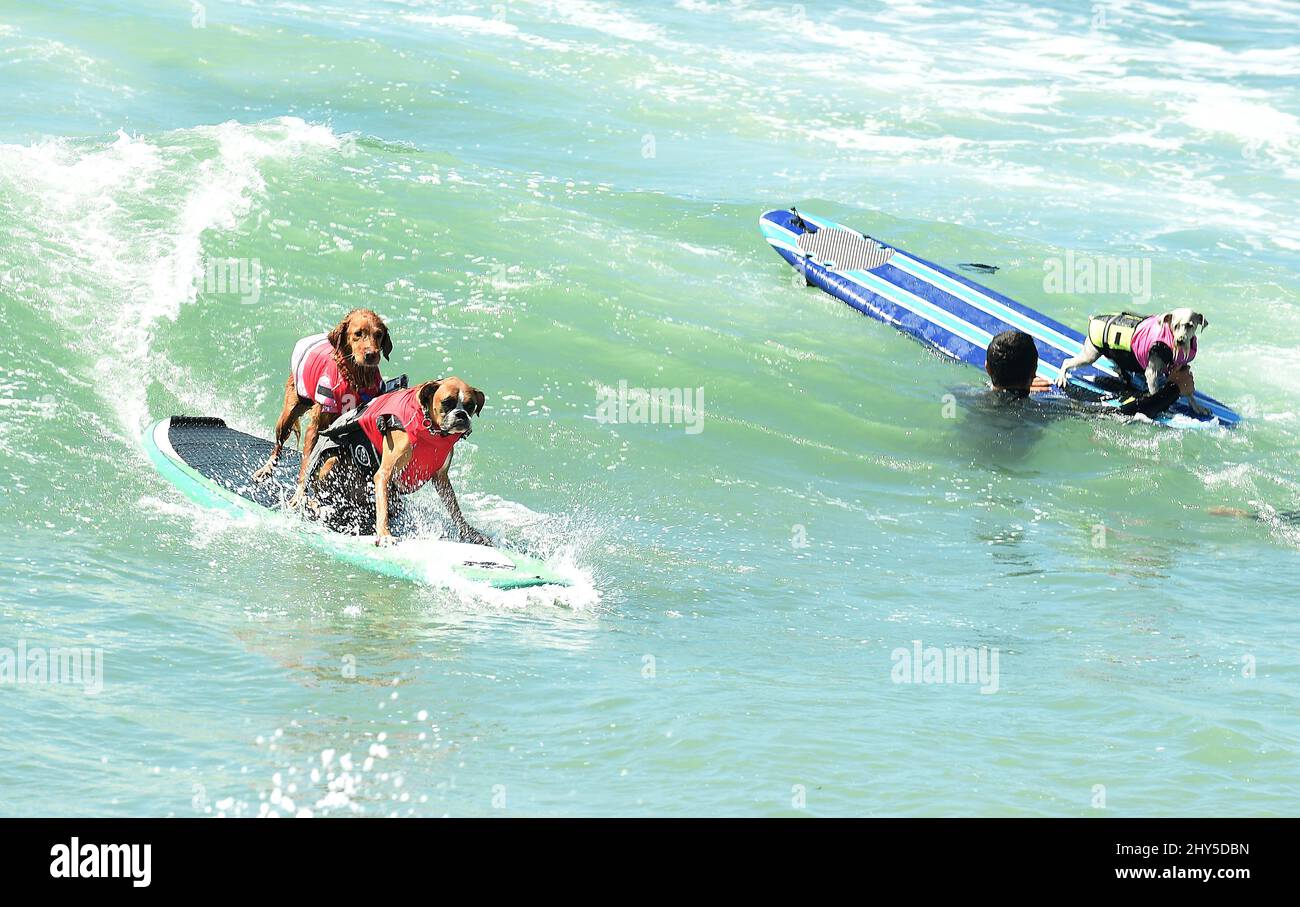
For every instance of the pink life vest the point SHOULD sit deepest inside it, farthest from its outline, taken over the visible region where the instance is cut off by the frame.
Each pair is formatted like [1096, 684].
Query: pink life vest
[429, 451]
[1152, 331]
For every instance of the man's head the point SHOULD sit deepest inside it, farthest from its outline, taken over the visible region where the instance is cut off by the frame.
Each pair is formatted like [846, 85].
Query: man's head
[1012, 361]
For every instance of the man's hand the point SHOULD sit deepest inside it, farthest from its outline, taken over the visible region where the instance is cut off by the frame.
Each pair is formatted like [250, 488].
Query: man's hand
[1040, 385]
[1182, 377]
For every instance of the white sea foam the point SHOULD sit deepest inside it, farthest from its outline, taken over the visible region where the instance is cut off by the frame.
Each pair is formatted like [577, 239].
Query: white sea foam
[115, 274]
[1240, 113]
[496, 28]
[604, 18]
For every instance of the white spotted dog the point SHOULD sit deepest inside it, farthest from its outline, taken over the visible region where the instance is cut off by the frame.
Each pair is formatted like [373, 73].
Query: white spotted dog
[1153, 346]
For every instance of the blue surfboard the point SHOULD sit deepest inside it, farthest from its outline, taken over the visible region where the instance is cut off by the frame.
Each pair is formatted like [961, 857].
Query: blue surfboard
[946, 311]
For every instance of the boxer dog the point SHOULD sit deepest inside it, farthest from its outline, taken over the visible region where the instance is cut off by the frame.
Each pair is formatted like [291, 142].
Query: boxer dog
[396, 444]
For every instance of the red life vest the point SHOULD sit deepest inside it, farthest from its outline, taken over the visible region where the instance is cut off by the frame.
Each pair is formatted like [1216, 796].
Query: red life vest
[429, 451]
[318, 378]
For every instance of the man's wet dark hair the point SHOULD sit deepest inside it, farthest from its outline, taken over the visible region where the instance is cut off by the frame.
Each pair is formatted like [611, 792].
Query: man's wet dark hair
[1012, 360]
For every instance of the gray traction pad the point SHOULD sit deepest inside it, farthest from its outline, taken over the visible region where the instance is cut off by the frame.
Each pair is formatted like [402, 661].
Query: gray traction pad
[230, 458]
[844, 250]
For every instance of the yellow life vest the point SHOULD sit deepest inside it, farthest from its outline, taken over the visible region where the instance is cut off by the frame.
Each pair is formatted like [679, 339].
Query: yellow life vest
[1114, 332]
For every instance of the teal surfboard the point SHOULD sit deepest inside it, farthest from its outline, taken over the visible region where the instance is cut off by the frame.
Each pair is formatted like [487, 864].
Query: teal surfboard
[213, 465]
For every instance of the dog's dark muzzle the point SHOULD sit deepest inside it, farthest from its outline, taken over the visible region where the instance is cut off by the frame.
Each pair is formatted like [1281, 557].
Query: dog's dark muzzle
[456, 421]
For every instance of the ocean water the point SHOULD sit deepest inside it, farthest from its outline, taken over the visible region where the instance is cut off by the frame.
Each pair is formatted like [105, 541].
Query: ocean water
[549, 199]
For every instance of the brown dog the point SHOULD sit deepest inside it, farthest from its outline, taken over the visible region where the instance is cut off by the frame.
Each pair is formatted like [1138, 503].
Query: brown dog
[329, 374]
[398, 443]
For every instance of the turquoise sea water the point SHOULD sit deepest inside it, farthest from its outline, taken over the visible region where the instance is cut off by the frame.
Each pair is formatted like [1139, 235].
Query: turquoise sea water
[550, 198]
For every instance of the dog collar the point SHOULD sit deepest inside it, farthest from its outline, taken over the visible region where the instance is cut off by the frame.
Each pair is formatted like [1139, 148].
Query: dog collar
[442, 433]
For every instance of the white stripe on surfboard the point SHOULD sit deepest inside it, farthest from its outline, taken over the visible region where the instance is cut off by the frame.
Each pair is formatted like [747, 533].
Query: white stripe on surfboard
[923, 307]
[1000, 310]
[981, 338]
[1020, 322]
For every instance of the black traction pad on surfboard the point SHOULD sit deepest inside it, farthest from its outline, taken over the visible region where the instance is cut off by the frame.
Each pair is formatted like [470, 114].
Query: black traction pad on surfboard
[230, 458]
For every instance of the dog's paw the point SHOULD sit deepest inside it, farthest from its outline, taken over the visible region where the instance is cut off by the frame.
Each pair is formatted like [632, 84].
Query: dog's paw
[471, 536]
[1062, 380]
[383, 541]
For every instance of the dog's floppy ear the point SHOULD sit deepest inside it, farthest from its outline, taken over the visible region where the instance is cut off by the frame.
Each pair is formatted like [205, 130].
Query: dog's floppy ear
[339, 335]
[477, 399]
[1167, 318]
[387, 346]
[426, 393]
[1204, 322]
